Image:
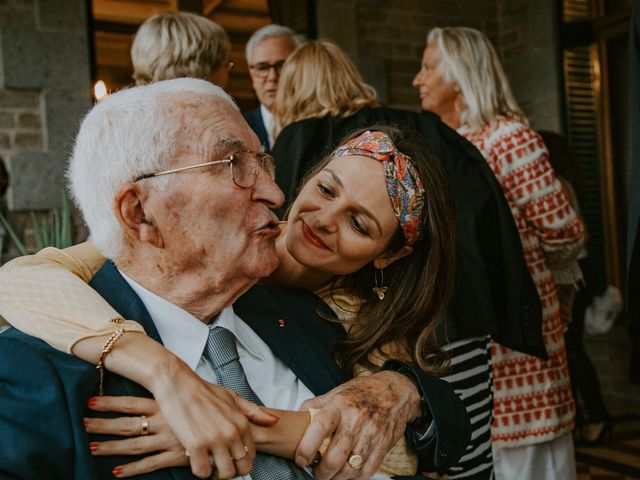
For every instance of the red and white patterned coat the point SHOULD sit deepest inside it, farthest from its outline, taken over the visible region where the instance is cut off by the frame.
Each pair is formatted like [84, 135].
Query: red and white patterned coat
[533, 402]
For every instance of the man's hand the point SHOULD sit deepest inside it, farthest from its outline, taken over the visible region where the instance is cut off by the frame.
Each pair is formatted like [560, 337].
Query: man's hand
[366, 417]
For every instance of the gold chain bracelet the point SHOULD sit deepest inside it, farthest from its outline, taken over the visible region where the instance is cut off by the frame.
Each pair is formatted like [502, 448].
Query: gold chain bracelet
[108, 346]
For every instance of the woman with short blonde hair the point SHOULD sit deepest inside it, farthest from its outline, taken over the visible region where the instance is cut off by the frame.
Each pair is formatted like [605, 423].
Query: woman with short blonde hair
[319, 80]
[180, 44]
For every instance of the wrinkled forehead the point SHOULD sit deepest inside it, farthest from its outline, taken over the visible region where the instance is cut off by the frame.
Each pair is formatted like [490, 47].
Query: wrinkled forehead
[211, 126]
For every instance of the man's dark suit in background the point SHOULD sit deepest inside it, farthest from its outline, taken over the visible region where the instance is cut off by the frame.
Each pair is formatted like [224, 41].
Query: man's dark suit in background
[633, 224]
[255, 121]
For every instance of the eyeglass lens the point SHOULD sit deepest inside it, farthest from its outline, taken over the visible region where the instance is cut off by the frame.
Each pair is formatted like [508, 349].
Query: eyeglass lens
[246, 165]
[262, 69]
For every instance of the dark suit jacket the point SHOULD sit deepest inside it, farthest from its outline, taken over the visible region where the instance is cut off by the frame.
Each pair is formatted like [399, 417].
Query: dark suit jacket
[494, 293]
[44, 392]
[254, 119]
[633, 224]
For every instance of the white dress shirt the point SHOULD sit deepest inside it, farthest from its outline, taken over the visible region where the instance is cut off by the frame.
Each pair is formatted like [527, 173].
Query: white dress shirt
[269, 124]
[185, 336]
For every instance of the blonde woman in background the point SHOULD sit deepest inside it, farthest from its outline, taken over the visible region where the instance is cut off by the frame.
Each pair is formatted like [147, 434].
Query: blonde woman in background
[343, 91]
[180, 44]
[462, 80]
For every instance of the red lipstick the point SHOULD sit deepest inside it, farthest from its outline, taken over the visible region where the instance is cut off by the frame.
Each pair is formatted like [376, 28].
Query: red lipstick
[310, 237]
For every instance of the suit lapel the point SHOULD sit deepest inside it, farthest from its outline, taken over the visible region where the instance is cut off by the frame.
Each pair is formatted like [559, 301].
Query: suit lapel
[117, 292]
[287, 322]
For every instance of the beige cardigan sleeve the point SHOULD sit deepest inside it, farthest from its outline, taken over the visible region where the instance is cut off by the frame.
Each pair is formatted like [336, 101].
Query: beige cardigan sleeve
[46, 295]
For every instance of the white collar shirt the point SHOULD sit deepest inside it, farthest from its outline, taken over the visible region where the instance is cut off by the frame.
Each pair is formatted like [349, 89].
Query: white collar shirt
[269, 124]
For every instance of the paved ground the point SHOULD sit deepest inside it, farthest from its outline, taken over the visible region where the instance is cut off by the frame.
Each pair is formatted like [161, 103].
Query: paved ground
[618, 459]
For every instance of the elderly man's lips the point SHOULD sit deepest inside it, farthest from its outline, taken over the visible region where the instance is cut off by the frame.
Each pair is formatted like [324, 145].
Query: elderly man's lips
[270, 228]
[310, 237]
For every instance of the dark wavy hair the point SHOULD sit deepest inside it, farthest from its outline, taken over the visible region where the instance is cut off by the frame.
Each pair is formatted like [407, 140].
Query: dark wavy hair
[419, 285]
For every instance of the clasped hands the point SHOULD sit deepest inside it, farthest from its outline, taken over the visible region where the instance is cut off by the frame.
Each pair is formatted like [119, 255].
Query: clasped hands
[364, 418]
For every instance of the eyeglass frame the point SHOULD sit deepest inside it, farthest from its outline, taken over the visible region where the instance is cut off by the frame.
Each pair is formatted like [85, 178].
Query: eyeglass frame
[260, 157]
[268, 66]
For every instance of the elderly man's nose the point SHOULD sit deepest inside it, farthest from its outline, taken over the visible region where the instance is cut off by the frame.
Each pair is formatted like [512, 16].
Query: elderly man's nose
[267, 190]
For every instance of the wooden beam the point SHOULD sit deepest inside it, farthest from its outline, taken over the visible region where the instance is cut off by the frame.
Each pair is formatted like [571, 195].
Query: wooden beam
[247, 6]
[126, 11]
[209, 6]
[240, 23]
[113, 49]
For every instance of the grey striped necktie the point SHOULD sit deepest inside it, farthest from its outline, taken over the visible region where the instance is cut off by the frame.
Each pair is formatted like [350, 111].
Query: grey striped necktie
[222, 353]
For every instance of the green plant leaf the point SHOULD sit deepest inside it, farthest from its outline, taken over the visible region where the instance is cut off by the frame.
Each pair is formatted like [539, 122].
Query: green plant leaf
[13, 235]
[37, 233]
[56, 229]
[66, 222]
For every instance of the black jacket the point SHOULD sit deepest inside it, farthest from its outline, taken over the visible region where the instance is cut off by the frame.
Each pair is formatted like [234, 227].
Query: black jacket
[494, 293]
[255, 121]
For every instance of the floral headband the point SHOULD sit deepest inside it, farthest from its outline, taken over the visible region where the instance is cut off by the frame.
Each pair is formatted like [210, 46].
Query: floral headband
[404, 185]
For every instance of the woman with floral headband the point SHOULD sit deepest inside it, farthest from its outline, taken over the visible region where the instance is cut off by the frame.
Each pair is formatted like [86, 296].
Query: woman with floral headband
[370, 232]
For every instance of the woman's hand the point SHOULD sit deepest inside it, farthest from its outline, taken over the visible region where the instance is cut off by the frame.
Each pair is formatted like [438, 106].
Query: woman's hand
[160, 441]
[210, 421]
[163, 447]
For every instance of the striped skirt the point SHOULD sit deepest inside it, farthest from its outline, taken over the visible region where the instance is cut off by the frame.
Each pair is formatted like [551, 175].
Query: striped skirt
[470, 377]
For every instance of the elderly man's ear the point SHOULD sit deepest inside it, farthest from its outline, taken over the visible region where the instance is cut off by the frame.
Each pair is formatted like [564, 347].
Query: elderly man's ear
[136, 222]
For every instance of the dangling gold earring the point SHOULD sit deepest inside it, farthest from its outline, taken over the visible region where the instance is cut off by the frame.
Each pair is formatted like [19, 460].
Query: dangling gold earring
[380, 291]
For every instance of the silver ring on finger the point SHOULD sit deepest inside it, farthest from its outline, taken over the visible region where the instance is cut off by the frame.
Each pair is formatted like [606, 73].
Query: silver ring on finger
[244, 454]
[144, 427]
[355, 461]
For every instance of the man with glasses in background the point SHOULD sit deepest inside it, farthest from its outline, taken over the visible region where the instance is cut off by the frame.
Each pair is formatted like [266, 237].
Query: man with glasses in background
[267, 50]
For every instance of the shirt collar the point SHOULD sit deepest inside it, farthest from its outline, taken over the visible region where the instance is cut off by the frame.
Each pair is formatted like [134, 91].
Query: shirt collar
[183, 334]
[269, 123]
[245, 336]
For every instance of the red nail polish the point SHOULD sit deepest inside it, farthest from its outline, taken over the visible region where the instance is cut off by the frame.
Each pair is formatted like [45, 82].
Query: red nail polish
[117, 471]
[93, 446]
[85, 423]
[92, 401]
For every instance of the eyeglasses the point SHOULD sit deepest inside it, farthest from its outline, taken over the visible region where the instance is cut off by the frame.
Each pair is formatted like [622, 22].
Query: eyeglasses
[262, 69]
[245, 166]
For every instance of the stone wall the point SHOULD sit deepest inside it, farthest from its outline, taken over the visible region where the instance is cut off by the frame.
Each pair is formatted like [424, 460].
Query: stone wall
[528, 47]
[386, 39]
[45, 88]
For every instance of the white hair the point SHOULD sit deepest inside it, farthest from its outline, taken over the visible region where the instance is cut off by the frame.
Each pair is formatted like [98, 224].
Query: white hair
[131, 133]
[468, 59]
[270, 31]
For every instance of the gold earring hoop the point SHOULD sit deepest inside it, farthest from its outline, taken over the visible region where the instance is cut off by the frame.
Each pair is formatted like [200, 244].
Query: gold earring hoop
[380, 290]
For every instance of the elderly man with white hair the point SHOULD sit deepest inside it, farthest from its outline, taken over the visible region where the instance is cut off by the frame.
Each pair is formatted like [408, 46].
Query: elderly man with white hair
[176, 193]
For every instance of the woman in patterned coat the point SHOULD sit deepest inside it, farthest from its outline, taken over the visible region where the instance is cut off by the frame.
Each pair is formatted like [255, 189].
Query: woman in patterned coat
[461, 79]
